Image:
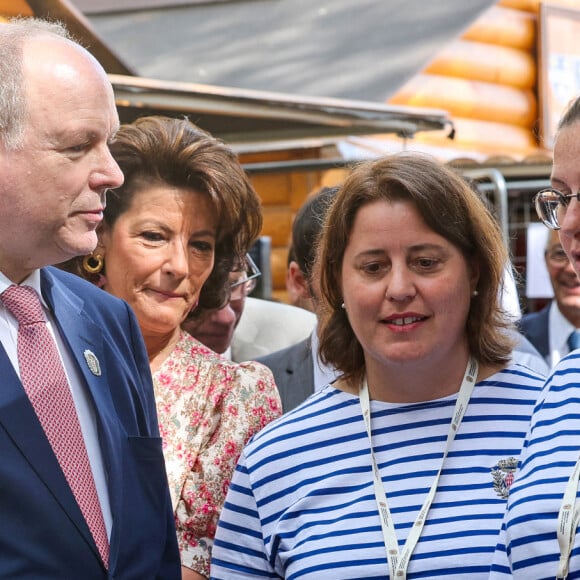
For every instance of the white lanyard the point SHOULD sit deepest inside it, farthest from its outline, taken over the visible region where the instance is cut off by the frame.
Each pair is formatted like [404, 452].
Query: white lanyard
[399, 561]
[568, 522]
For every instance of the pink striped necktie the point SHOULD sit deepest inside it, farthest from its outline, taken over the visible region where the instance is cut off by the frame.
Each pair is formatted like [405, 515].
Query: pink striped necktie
[44, 380]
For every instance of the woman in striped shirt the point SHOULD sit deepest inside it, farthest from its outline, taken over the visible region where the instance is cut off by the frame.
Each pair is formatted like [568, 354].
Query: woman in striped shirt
[401, 467]
[540, 539]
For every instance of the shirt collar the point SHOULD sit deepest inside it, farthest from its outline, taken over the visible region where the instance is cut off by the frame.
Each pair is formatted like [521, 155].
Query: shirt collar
[560, 327]
[33, 280]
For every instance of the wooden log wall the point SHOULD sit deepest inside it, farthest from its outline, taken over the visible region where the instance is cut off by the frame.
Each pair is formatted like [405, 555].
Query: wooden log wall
[282, 194]
[487, 80]
[9, 8]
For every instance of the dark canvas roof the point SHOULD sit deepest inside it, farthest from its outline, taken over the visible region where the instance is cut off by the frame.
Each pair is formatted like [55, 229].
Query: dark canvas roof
[247, 118]
[254, 71]
[353, 49]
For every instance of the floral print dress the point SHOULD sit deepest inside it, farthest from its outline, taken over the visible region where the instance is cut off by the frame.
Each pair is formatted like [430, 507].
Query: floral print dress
[208, 407]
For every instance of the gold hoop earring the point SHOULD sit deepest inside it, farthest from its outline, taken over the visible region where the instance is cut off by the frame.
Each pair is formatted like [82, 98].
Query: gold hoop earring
[93, 263]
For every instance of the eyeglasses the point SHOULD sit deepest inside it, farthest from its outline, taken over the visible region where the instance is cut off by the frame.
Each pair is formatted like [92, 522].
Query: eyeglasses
[246, 281]
[551, 206]
[557, 256]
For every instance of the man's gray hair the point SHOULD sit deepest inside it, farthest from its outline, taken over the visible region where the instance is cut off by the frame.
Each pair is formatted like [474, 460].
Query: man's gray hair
[13, 35]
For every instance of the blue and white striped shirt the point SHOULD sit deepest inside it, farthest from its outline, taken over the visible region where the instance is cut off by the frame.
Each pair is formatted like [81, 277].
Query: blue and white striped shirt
[528, 545]
[301, 502]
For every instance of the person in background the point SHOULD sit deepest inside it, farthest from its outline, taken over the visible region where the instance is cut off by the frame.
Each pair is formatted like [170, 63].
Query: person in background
[83, 490]
[216, 327]
[553, 330]
[297, 369]
[266, 326]
[246, 327]
[171, 235]
[306, 229]
[539, 537]
[403, 465]
[295, 281]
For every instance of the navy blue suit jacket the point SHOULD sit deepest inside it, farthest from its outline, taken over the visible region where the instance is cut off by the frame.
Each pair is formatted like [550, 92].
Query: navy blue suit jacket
[42, 531]
[535, 327]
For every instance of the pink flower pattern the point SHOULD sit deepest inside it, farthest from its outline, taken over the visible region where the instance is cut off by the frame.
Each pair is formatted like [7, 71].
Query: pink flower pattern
[208, 408]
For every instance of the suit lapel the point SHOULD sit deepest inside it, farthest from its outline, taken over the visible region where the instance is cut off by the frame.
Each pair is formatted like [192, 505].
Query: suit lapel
[536, 329]
[544, 332]
[22, 426]
[85, 341]
[304, 367]
[296, 383]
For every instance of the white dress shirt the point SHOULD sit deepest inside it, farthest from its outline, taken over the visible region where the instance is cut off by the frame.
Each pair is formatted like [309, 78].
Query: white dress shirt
[323, 375]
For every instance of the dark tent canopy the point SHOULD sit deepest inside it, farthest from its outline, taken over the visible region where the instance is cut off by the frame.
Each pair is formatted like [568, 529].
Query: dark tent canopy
[349, 49]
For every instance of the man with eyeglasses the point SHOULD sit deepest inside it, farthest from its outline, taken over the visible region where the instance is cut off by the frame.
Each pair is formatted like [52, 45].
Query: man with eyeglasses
[539, 537]
[246, 328]
[216, 328]
[552, 330]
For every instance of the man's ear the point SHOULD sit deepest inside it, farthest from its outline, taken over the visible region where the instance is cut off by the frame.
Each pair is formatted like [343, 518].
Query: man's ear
[297, 281]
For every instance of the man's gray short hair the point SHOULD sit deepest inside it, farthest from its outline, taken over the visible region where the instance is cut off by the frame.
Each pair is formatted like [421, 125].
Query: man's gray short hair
[13, 35]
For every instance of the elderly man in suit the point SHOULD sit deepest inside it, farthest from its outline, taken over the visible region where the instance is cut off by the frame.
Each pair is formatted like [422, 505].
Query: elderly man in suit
[245, 328]
[553, 330]
[83, 490]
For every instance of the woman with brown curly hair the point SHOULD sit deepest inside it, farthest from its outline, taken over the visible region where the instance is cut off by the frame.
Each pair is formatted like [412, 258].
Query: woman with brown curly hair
[171, 234]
